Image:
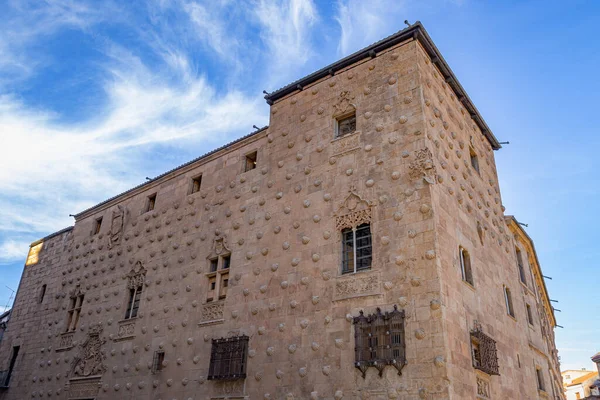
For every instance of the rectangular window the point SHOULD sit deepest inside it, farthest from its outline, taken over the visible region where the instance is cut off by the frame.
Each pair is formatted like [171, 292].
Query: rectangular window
[357, 249]
[151, 202]
[465, 266]
[509, 303]
[196, 184]
[474, 160]
[218, 277]
[250, 161]
[133, 304]
[228, 358]
[521, 267]
[345, 125]
[42, 293]
[157, 361]
[540, 379]
[33, 256]
[379, 340]
[97, 226]
[74, 312]
[529, 314]
[11, 366]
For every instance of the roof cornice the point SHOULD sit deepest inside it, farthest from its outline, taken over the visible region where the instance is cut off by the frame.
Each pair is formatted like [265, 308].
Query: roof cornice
[415, 31]
[514, 226]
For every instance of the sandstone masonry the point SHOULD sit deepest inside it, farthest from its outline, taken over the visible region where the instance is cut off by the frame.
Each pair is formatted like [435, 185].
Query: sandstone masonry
[249, 244]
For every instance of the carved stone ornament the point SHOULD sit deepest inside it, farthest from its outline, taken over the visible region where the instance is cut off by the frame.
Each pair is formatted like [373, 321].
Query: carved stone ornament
[353, 211]
[483, 388]
[117, 224]
[220, 246]
[367, 284]
[346, 144]
[126, 330]
[136, 276]
[212, 311]
[422, 166]
[91, 358]
[344, 104]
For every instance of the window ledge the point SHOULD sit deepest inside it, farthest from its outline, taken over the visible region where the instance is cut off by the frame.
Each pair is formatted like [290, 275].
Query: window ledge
[511, 317]
[213, 322]
[467, 284]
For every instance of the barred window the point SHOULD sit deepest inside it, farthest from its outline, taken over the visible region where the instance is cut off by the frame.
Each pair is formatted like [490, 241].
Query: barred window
[228, 358]
[483, 352]
[357, 249]
[379, 341]
[133, 304]
[157, 361]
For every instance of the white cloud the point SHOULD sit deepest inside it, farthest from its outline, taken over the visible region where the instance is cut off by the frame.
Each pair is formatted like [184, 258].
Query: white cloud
[285, 30]
[13, 250]
[363, 23]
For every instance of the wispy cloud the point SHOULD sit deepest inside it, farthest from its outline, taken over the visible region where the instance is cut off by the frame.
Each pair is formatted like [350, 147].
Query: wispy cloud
[13, 250]
[286, 31]
[362, 23]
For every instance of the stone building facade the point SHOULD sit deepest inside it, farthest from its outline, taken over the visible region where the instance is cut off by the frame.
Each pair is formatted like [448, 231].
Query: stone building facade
[356, 248]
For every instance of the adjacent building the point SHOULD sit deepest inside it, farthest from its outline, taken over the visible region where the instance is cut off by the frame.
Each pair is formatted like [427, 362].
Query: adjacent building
[356, 248]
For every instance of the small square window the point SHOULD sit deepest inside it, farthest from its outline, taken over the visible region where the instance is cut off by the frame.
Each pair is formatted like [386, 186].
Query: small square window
[250, 161]
[151, 202]
[345, 125]
[474, 159]
[196, 184]
[97, 226]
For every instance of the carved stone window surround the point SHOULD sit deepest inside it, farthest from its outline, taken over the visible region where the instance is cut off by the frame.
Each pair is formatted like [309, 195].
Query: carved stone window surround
[66, 341]
[359, 284]
[126, 329]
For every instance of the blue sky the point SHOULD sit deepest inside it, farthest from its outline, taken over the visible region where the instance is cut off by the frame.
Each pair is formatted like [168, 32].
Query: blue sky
[95, 98]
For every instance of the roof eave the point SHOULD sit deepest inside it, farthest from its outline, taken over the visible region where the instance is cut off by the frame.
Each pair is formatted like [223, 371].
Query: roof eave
[417, 32]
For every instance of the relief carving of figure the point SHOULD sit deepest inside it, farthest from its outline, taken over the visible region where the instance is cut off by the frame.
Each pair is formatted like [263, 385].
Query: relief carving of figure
[117, 225]
[423, 166]
[344, 104]
[90, 360]
[220, 245]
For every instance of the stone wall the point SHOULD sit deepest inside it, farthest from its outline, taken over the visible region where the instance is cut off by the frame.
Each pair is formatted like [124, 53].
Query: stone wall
[403, 170]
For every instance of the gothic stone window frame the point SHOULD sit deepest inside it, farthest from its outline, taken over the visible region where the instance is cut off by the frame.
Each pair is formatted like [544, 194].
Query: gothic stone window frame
[483, 352]
[353, 221]
[379, 340]
[135, 284]
[219, 264]
[228, 358]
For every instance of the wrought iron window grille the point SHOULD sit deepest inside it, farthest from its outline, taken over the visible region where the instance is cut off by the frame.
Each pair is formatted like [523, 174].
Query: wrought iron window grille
[228, 358]
[379, 341]
[484, 352]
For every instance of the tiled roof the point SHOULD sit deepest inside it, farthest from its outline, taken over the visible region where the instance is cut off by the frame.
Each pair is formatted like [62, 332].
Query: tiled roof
[582, 378]
[172, 170]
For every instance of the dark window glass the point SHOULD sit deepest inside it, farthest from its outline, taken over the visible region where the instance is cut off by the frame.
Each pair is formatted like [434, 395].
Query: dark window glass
[214, 264]
[226, 262]
[42, 293]
[357, 249]
[474, 159]
[346, 125]
[97, 226]
[134, 302]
